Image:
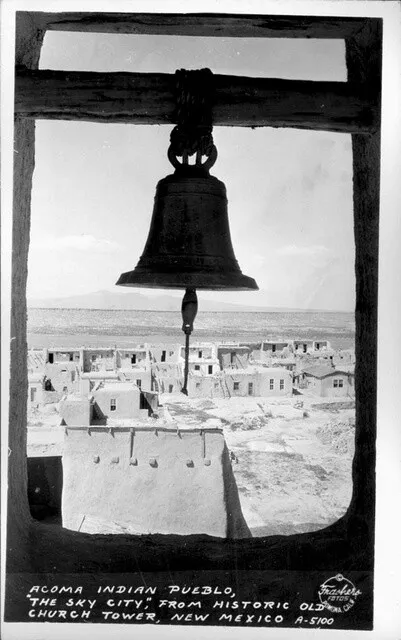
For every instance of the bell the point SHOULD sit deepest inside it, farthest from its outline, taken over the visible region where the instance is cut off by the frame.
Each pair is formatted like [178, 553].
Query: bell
[189, 243]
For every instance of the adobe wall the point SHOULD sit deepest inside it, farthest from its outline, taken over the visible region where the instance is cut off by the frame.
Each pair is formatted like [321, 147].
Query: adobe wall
[329, 390]
[204, 367]
[171, 353]
[63, 375]
[276, 374]
[241, 358]
[145, 377]
[126, 402]
[207, 387]
[172, 488]
[103, 360]
[76, 413]
[123, 357]
[260, 381]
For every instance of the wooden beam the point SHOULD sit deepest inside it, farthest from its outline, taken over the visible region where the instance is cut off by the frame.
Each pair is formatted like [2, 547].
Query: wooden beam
[202, 24]
[27, 51]
[364, 63]
[149, 98]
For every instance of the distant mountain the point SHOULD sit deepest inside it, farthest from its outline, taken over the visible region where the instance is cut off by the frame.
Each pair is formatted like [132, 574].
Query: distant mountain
[136, 301]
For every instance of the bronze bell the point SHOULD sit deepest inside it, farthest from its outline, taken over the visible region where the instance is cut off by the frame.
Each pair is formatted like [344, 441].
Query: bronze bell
[189, 243]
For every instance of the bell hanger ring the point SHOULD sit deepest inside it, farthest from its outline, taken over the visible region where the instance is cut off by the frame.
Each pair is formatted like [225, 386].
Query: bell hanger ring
[208, 164]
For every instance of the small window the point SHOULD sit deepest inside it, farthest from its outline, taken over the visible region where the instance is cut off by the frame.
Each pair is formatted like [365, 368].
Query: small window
[210, 369]
[337, 382]
[71, 357]
[281, 385]
[250, 388]
[305, 348]
[163, 358]
[113, 404]
[133, 358]
[232, 357]
[271, 384]
[170, 388]
[93, 358]
[72, 376]
[236, 386]
[197, 367]
[51, 358]
[273, 348]
[199, 354]
[138, 383]
[33, 394]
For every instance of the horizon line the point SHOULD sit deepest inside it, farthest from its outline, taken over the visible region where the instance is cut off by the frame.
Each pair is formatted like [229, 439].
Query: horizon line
[254, 310]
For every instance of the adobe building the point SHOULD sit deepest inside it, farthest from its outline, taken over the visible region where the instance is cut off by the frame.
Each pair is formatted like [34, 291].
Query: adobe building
[165, 353]
[233, 355]
[344, 357]
[321, 345]
[167, 370]
[121, 401]
[132, 357]
[207, 386]
[254, 350]
[139, 375]
[61, 354]
[275, 354]
[143, 479]
[325, 381]
[258, 381]
[99, 359]
[36, 360]
[303, 346]
[200, 350]
[203, 366]
[126, 472]
[110, 400]
[35, 389]
[276, 348]
[62, 376]
[88, 381]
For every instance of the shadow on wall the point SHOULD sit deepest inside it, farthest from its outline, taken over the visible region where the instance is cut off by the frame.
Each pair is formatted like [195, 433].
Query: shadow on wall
[45, 483]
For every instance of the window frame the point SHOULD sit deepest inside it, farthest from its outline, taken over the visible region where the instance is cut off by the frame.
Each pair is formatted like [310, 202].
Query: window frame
[362, 44]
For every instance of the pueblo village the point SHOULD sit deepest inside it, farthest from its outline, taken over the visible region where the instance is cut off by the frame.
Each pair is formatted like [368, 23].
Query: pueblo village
[261, 444]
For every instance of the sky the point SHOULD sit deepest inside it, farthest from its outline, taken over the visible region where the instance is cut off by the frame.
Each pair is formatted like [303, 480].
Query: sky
[289, 191]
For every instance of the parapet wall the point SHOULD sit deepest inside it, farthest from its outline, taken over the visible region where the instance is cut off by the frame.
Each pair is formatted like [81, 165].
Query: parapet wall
[150, 481]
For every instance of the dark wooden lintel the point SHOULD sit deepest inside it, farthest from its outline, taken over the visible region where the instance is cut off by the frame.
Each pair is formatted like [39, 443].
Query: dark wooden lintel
[149, 98]
[202, 24]
[364, 65]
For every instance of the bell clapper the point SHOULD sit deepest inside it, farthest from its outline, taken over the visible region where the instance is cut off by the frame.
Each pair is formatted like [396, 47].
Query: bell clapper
[189, 309]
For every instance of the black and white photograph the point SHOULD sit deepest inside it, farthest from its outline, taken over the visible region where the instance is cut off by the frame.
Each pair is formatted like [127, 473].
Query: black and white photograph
[200, 317]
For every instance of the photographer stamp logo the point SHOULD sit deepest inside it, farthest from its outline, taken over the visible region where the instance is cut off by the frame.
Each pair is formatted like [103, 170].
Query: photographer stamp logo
[338, 594]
